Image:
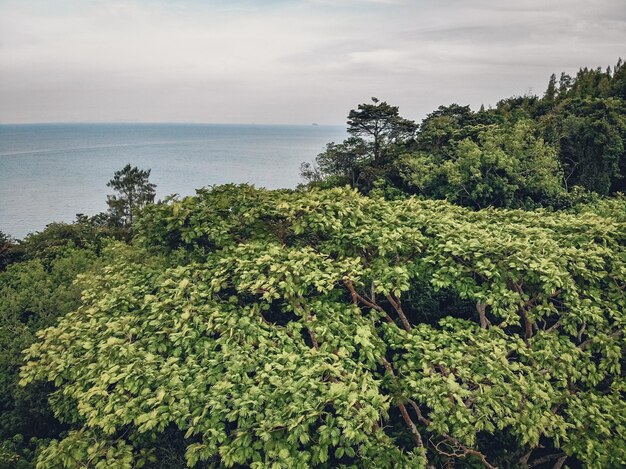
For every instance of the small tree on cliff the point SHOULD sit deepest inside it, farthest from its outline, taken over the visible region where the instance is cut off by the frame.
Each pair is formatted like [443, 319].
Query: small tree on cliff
[134, 192]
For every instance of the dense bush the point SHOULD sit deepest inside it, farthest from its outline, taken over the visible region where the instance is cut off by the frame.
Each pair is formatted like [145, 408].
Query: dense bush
[324, 328]
[33, 294]
[502, 168]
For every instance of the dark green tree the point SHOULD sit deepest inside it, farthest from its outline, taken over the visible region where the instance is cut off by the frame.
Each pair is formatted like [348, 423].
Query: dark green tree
[35, 289]
[551, 91]
[445, 125]
[134, 192]
[340, 161]
[380, 124]
[618, 80]
[9, 250]
[592, 138]
[505, 167]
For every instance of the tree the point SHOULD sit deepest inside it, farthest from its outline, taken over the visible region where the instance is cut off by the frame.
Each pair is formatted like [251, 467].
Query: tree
[290, 329]
[551, 91]
[310, 173]
[592, 143]
[34, 291]
[9, 250]
[135, 192]
[381, 124]
[505, 167]
[446, 125]
[341, 161]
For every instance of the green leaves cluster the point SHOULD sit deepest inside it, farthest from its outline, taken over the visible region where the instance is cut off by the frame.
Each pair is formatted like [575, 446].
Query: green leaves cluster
[290, 329]
[527, 152]
[503, 168]
[33, 294]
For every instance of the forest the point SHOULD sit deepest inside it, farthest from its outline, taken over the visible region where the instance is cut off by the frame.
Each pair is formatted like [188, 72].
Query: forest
[444, 294]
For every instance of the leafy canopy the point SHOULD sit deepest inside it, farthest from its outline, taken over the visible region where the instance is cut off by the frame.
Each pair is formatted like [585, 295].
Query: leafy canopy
[381, 124]
[325, 328]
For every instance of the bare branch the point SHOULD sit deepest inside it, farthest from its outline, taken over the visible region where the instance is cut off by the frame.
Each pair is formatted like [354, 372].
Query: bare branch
[356, 298]
[481, 308]
[397, 305]
[544, 459]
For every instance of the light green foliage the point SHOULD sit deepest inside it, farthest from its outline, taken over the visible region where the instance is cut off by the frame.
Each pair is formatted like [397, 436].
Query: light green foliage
[84, 449]
[504, 168]
[613, 207]
[281, 329]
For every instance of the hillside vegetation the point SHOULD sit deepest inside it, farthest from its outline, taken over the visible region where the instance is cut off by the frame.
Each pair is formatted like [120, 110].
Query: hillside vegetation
[451, 294]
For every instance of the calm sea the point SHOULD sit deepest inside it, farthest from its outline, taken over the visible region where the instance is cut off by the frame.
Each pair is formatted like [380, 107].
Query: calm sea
[51, 172]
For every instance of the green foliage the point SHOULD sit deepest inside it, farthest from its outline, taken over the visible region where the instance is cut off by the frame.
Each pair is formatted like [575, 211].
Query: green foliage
[610, 207]
[54, 241]
[287, 329]
[33, 294]
[592, 136]
[134, 192]
[380, 124]
[84, 449]
[503, 168]
[9, 252]
[378, 136]
[341, 162]
[449, 124]
[527, 152]
[323, 328]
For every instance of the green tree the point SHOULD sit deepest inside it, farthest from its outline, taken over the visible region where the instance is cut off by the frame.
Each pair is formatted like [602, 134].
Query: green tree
[33, 294]
[9, 251]
[380, 124]
[323, 328]
[503, 168]
[340, 161]
[591, 137]
[551, 92]
[447, 125]
[134, 192]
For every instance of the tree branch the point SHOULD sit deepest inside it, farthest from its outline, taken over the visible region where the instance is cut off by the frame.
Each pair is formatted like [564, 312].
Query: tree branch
[356, 298]
[398, 307]
[409, 423]
[450, 439]
[545, 459]
[481, 308]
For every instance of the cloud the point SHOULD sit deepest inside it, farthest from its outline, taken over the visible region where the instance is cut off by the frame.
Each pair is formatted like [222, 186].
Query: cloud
[286, 61]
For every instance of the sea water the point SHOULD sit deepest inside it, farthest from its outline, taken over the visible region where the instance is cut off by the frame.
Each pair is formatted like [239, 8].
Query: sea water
[51, 172]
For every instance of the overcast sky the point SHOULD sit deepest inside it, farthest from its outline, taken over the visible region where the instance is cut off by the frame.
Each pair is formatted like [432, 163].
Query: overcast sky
[287, 61]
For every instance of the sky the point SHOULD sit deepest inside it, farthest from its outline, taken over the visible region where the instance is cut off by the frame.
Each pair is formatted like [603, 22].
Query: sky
[287, 61]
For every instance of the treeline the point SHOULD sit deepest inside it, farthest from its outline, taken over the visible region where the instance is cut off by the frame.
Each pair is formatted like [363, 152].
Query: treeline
[527, 152]
[372, 326]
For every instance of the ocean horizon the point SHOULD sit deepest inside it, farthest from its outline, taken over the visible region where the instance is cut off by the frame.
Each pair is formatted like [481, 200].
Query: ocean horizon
[49, 172]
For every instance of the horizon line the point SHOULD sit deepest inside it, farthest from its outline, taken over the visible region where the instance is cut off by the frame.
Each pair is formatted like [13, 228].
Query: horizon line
[138, 122]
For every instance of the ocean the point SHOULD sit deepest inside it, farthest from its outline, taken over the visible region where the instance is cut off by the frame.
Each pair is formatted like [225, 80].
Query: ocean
[51, 172]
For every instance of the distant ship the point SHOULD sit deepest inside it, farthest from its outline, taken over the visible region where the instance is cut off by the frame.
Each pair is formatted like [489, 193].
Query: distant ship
[315, 123]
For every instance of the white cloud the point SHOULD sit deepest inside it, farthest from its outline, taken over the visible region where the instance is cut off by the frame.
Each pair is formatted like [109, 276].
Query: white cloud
[286, 61]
